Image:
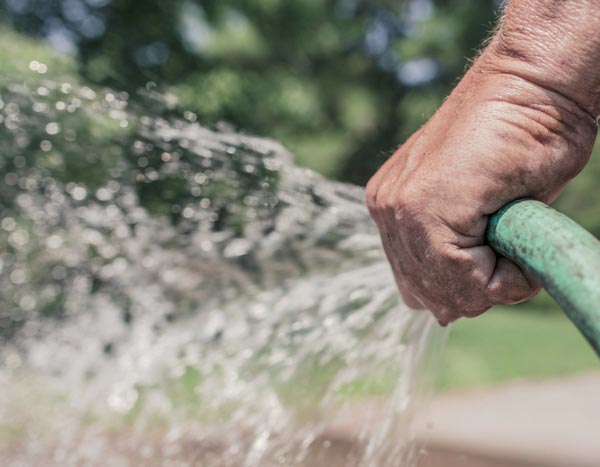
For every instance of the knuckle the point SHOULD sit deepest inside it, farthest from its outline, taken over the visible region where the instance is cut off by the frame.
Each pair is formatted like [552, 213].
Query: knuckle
[573, 168]
[504, 293]
[408, 195]
[408, 210]
[385, 195]
[463, 301]
[379, 197]
[459, 266]
[371, 192]
[462, 286]
[387, 199]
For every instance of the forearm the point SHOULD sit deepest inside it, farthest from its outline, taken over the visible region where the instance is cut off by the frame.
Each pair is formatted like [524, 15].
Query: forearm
[554, 44]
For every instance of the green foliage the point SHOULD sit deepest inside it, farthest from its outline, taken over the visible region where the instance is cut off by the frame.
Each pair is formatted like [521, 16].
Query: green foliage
[55, 126]
[340, 82]
[16, 49]
[67, 148]
[581, 200]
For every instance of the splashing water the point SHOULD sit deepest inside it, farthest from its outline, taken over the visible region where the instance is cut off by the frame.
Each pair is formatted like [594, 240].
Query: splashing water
[173, 295]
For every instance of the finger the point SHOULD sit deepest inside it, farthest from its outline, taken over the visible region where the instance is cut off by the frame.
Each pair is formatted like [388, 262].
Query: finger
[408, 297]
[444, 315]
[470, 272]
[509, 284]
[483, 279]
[375, 187]
[388, 240]
[391, 168]
[393, 249]
[475, 313]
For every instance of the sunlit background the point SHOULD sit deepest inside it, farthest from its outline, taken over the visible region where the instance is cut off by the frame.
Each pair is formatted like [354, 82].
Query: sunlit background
[340, 83]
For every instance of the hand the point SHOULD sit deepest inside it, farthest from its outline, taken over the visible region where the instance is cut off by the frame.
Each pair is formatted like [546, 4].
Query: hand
[497, 138]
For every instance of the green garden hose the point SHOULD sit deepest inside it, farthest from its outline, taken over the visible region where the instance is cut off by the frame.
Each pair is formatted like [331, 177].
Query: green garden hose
[562, 256]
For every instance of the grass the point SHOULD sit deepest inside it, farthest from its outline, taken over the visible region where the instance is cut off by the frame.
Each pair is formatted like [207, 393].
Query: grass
[510, 343]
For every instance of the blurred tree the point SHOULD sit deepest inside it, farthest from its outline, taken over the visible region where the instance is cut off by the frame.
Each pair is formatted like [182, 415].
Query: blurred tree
[341, 82]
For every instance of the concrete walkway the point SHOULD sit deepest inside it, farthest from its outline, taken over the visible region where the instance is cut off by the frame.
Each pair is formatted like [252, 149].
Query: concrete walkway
[541, 424]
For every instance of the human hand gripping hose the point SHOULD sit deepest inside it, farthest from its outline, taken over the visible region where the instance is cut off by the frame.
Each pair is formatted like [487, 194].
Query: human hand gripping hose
[560, 254]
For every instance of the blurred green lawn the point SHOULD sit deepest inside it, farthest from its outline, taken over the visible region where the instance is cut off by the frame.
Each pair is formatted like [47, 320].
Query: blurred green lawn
[511, 343]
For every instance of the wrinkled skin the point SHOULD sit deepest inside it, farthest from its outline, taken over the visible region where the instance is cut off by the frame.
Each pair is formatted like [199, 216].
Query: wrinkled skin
[497, 138]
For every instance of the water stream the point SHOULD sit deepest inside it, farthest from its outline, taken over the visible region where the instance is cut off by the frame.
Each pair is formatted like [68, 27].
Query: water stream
[176, 296]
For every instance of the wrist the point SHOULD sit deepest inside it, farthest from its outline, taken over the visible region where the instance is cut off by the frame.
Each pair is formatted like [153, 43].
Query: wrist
[558, 81]
[549, 117]
[494, 77]
[555, 45]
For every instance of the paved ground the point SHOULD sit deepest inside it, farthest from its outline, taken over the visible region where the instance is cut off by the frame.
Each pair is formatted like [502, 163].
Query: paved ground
[538, 424]
[526, 424]
[444, 458]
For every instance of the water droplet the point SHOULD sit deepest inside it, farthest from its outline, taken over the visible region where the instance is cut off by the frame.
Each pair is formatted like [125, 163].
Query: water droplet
[190, 116]
[104, 194]
[18, 277]
[11, 179]
[8, 224]
[87, 93]
[52, 128]
[18, 239]
[200, 178]
[237, 247]
[12, 109]
[27, 302]
[41, 107]
[46, 145]
[54, 242]
[34, 65]
[79, 193]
